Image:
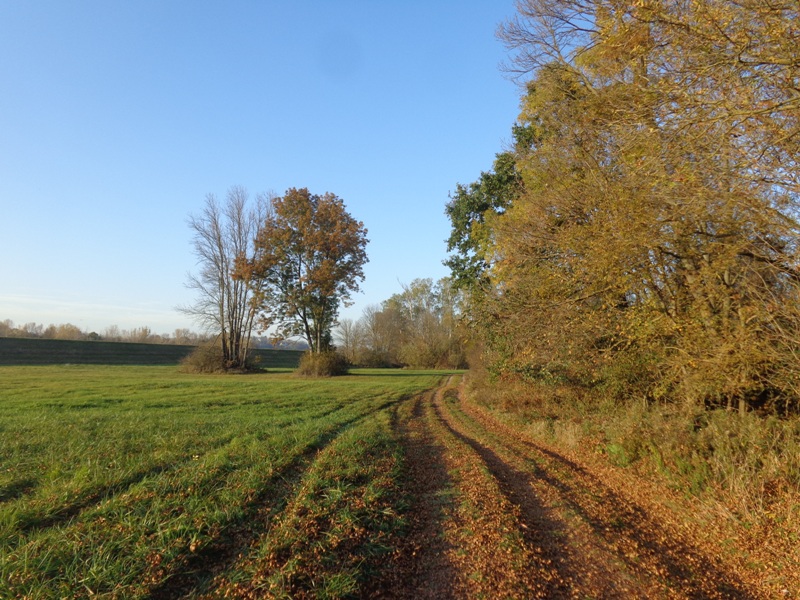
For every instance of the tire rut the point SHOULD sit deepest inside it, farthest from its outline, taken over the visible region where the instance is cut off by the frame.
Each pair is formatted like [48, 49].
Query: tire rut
[420, 566]
[194, 574]
[541, 528]
[602, 543]
[480, 526]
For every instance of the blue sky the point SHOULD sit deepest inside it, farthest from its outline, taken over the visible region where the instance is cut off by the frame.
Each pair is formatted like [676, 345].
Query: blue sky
[118, 118]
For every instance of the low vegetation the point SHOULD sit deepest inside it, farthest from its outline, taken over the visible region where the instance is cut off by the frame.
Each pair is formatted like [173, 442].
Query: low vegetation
[322, 364]
[746, 468]
[134, 482]
[144, 482]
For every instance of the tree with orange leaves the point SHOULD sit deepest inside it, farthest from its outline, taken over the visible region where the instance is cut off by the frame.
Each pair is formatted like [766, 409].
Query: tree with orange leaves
[309, 259]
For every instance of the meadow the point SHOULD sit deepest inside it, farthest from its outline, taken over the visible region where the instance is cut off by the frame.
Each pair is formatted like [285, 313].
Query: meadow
[141, 481]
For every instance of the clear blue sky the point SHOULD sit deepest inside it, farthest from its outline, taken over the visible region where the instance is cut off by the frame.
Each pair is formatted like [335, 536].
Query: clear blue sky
[118, 117]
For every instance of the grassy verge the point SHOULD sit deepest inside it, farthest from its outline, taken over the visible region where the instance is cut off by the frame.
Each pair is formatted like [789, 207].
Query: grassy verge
[116, 481]
[743, 469]
[747, 460]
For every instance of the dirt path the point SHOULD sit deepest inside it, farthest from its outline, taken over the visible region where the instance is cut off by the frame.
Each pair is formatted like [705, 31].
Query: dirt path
[495, 515]
[421, 567]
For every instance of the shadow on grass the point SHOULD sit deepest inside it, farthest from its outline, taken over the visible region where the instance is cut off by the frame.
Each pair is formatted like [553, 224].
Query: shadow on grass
[194, 573]
[421, 568]
[17, 489]
[87, 498]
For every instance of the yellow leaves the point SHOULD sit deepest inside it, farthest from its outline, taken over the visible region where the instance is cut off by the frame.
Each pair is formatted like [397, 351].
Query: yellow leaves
[655, 218]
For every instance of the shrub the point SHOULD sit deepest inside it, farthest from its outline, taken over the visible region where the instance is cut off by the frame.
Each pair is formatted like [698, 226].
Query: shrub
[206, 358]
[324, 364]
[748, 462]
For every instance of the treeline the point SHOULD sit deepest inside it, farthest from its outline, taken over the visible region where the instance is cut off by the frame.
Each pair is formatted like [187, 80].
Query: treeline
[418, 327]
[68, 331]
[139, 335]
[640, 236]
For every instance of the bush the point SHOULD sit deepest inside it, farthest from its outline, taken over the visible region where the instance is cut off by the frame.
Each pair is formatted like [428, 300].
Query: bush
[325, 364]
[206, 358]
[748, 462]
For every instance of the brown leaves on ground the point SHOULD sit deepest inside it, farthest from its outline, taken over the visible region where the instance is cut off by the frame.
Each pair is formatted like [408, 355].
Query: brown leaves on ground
[496, 515]
[491, 514]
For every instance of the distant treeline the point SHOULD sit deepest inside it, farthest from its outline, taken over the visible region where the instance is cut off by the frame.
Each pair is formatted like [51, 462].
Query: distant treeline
[68, 331]
[30, 351]
[418, 328]
[137, 335]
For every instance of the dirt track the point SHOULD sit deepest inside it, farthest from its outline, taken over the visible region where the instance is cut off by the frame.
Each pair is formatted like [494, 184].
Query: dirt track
[496, 515]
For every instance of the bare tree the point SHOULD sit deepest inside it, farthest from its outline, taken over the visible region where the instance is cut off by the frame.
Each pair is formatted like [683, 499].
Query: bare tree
[349, 335]
[223, 233]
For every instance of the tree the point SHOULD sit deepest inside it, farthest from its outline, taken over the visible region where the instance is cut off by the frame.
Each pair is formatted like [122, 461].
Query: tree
[349, 336]
[418, 327]
[666, 205]
[428, 335]
[472, 205]
[65, 331]
[222, 234]
[309, 258]
[7, 328]
[381, 330]
[654, 245]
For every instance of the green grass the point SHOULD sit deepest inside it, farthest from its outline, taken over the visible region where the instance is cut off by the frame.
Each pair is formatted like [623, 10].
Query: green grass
[133, 482]
[749, 462]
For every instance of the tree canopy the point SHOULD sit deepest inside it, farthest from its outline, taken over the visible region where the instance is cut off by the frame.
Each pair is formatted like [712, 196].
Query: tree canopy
[309, 258]
[652, 244]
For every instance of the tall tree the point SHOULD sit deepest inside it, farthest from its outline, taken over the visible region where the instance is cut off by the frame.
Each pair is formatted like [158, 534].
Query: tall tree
[222, 234]
[472, 205]
[309, 259]
[655, 243]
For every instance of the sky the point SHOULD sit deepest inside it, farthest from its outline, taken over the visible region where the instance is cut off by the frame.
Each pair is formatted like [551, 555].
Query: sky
[118, 118]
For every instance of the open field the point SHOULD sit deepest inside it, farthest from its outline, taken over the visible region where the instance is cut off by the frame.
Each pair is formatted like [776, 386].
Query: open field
[142, 482]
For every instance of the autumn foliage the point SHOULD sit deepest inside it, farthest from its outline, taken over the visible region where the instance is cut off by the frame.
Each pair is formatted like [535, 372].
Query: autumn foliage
[309, 258]
[419, 327]
[652, 247]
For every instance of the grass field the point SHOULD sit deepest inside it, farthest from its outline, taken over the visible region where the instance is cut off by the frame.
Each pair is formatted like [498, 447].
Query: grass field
[133, 482]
